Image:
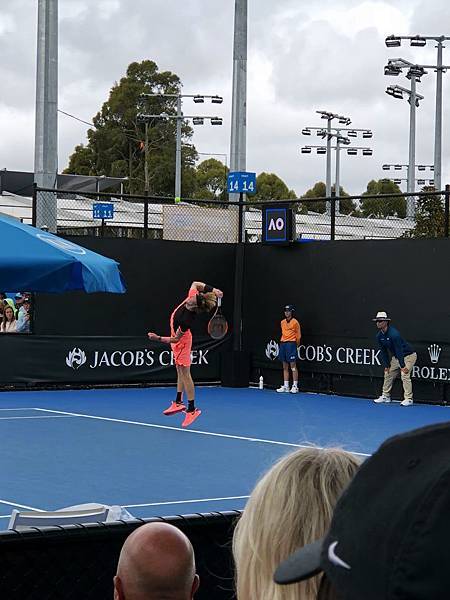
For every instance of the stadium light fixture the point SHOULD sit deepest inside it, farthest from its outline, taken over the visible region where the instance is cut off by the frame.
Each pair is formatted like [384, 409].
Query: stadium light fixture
[327, 133]
[352, 133]
[367, 152]
[386, 167]
[367, 134]
[392, 70]
[394, 91]
[352, 151]
[393, 41]
[418, 41]
[180, 117]
[439, 68]
[416, 71]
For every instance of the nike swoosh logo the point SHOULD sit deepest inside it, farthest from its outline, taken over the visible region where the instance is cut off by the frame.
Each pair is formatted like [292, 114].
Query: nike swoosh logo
[334, 559]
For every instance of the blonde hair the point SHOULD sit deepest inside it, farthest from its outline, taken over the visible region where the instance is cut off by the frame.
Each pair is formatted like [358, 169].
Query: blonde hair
[291, 505]
[208, 301]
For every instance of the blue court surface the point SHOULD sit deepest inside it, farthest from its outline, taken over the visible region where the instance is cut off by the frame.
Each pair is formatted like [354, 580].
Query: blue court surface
[114, 446]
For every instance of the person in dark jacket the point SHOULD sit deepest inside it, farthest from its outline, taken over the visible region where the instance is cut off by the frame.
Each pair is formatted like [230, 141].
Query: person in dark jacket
[397, 357]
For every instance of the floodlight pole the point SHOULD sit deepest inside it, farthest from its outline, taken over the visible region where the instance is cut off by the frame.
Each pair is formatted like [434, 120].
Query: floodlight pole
[440, 68]
[328, 173]
[337, 184]
[46, 126]
[410, 202]
[238, 138]
[179, 118]
[438, 121]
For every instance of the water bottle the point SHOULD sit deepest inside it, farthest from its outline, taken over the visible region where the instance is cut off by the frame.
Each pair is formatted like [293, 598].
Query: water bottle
[261, 383]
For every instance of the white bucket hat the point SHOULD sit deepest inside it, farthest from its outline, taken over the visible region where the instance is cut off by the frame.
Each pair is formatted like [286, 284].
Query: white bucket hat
[381, 316]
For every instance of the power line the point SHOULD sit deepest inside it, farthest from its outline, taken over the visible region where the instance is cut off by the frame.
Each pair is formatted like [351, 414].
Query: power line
[76, 118]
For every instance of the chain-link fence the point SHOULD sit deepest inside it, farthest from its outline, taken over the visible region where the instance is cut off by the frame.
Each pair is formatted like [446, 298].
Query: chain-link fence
[349, 218]
[79, 561]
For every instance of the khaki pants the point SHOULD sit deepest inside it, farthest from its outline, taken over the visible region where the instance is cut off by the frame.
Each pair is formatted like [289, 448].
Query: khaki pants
[394, 370]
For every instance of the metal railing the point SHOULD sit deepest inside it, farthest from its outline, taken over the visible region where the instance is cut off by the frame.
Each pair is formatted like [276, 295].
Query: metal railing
[225, 222]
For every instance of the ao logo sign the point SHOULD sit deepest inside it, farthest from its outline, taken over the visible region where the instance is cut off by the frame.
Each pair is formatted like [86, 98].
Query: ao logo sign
[276, 224]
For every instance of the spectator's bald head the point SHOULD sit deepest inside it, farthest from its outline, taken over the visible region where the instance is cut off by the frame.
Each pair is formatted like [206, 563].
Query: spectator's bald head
[156, 562]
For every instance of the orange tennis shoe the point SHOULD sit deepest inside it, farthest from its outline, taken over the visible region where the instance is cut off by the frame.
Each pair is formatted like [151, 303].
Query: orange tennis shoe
[190, 417]
[174, 408]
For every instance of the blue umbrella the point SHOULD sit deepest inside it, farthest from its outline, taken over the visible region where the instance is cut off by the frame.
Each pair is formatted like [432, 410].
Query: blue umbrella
[38, 261]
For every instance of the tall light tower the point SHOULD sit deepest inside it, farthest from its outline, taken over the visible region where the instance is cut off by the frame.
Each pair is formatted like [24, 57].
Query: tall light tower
[46, 131]
[238, 144]
[180, 117]
[415, 72]
[419, 41]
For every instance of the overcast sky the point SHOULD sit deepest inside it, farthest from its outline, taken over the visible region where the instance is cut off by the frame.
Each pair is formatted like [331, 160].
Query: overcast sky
[302, 57]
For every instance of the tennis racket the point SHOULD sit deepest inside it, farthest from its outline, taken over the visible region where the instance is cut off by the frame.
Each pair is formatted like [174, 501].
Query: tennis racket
[218, 326]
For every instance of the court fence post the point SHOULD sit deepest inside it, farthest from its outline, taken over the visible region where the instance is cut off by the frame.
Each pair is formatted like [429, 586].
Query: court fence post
[447, 211]
[146, 215]
[241, 232]
[238, 279]
[333, 215]
[33, 207]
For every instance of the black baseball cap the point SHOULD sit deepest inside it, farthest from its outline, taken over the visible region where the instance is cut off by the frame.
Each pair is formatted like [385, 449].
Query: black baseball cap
[289, 307]
[390, 533]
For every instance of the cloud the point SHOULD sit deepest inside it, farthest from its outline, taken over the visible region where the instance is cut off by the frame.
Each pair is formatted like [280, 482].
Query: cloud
[301, 58]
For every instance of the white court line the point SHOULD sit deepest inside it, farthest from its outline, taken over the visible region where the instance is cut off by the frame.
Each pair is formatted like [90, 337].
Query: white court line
[37, 417]
[20, 505]
[196, 431]
[184, 501]
[17, 409]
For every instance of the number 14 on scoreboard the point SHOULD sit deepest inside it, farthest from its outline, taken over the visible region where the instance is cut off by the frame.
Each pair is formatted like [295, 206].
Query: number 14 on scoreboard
[241, 182]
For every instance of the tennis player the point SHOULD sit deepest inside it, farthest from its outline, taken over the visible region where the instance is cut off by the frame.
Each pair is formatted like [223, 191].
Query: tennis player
[291, 335]
[201, 298]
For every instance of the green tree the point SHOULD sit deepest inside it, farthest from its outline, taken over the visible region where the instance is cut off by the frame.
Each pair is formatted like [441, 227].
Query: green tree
[386, 206]
[346, 205]
[211, 180]
[430, 216]
[116, 145]
[270, 187]
[82, 161]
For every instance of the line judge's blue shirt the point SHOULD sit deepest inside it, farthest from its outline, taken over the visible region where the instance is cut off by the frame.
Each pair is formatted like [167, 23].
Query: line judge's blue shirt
[392, 342]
